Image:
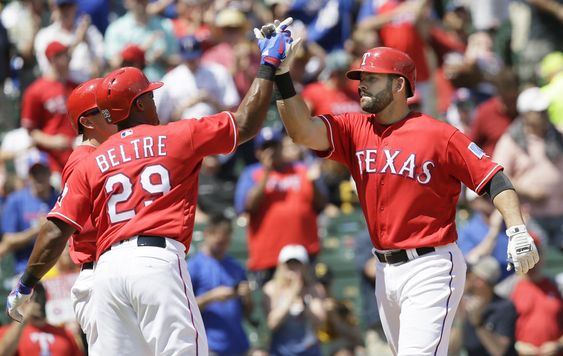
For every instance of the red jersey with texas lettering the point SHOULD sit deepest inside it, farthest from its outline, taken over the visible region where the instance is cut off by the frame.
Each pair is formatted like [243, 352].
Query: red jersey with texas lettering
[144, 180]
[83, 245]
[408, 175]
[44, 108]
[45, 340]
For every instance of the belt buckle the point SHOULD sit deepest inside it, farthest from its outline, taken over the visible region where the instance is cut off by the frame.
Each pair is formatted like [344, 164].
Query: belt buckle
[386, 256]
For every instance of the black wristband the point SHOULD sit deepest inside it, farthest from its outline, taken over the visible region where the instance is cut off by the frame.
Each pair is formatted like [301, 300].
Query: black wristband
[29, 280]
[266, 71]
[285, 86]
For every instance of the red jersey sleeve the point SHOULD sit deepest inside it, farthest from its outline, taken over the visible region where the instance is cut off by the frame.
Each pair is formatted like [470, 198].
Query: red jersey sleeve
[339, 135]
[210, 135]
[31, 111]
[469, 163]
[74, 204]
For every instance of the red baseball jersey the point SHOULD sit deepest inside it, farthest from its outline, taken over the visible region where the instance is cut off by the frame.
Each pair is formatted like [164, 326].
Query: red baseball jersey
[44, 108]
[45, 340]
[144, 180]
[408, 175]
[83, 245]
[328, 100]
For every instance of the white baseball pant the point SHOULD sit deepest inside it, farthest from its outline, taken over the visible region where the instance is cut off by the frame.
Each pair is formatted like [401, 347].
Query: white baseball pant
[145, 303]
[80, 296]
[417, 300]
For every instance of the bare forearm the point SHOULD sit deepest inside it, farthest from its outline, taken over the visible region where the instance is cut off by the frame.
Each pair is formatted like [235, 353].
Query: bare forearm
[253, 108]
[10, 340]
[508, 205]
[53, 237]
[18, 240]
[496, 345]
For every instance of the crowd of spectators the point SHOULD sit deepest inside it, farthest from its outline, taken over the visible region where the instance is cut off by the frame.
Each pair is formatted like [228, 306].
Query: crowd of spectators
[491, 68]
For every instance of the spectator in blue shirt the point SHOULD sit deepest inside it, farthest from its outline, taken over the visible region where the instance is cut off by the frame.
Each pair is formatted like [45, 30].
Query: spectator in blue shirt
[483, 234]
[221, 289]
[25, 210]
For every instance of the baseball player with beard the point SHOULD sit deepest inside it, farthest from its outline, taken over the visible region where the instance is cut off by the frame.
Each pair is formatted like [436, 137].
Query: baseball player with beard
[86, 119]
[408, 169]
[140, 186]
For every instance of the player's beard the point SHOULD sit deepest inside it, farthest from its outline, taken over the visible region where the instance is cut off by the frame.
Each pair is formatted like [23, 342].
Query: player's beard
[379, 101]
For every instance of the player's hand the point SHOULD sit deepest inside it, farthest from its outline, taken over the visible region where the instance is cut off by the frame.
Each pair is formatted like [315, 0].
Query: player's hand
[522, 252]
[18, 297]
[291, 49]
[273, 44]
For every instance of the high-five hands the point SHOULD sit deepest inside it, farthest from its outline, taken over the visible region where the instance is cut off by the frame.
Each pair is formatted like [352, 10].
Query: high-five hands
[522, 252]
[271, 37]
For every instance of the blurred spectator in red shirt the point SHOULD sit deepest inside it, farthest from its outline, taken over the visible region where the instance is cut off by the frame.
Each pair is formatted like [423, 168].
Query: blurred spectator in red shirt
[44, 108]
[34, 336]
[493, 116]
[539, 327]
[331, 94]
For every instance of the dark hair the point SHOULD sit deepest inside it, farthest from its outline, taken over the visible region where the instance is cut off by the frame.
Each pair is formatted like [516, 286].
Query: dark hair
[217, 220]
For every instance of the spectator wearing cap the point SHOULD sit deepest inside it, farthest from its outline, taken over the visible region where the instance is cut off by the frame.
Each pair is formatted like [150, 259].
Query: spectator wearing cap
[85, 43]
[531, 152]
[133, 56]
[539, 328]
[282, 203]
[152, 33]
[232, 49]
[44, 111]
[25, 211]
[221, 289]
[194, 89]
[294, 305]
[484, 323]
[331, 94]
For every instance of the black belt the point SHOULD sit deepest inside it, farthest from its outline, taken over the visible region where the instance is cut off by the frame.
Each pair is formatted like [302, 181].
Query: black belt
[400, 256]
[144, 240]
[87, 265]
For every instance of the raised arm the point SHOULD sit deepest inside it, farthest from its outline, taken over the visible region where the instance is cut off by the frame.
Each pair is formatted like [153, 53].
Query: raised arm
[254, 106]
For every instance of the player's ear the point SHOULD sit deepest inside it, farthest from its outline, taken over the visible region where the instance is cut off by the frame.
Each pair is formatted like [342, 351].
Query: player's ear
[400, 84]
[86, 122]
[138, 104]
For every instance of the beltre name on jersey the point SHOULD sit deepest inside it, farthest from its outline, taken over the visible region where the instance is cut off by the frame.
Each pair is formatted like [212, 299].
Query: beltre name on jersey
[144, 147]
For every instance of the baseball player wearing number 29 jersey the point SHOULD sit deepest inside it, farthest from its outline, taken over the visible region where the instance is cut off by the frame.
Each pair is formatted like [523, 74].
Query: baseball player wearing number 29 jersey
[408, 170]
[140, 187]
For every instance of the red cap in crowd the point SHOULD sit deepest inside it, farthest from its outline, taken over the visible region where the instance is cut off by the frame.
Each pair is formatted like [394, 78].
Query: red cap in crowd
[55, 48]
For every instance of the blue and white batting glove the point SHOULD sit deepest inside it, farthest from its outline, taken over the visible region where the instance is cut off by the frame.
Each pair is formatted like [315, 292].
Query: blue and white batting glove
[522, 251]
[273, 41]
[18, 297]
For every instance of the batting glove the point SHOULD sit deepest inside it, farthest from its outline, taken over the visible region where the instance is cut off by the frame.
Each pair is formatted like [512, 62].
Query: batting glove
[291, 48]
[273, 42]
[19, 296]
[522, 252]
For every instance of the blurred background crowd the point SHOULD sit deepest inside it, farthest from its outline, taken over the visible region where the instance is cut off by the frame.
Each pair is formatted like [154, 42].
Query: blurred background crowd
[281, 262]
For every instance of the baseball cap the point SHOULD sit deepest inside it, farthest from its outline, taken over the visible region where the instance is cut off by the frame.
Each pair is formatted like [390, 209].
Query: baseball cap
[190, 47]
[65, 2]
[293, 252]
[551, 64]
[487, 268]
[133, 53]
[532, 100]
[36, 162]
[230, 17]
[267, 135]
[339, 60]
[54, 48]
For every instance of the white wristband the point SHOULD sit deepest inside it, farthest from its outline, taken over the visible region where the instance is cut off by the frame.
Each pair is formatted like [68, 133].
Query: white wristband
[511, 231]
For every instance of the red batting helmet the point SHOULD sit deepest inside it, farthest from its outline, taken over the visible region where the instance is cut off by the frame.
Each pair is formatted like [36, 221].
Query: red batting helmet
[81, 100]
[385, 60]
[119, 89]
